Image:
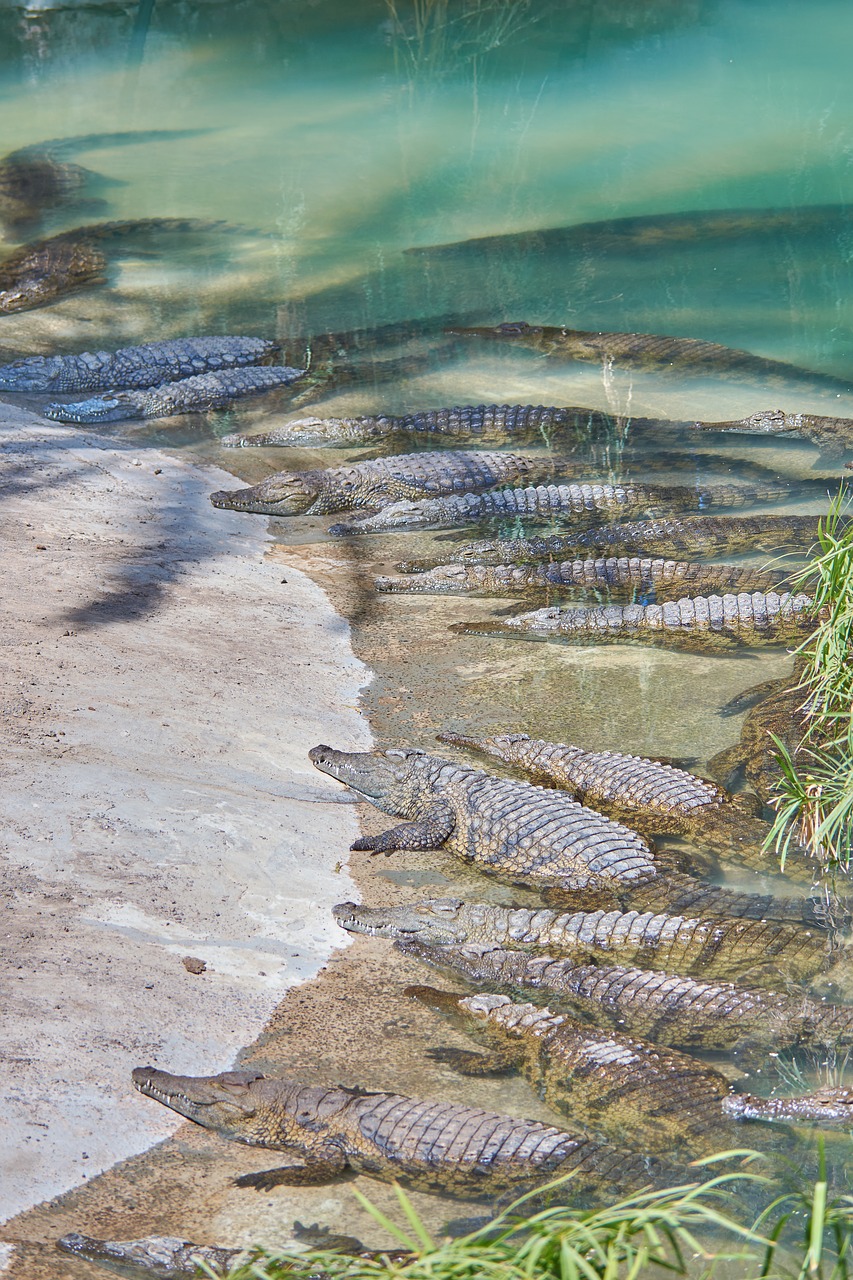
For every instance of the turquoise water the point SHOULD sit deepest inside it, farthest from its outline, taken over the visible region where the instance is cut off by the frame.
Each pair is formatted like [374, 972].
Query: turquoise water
[335, 137]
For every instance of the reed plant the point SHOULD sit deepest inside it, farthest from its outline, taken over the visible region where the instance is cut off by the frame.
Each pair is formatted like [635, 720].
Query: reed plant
[694, 1230]
[654, 1232]
[814, 800]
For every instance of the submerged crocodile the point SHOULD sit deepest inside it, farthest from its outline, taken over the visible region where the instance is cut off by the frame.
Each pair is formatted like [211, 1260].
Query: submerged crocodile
[682, 1012]
[637, 579]
[37, 178]
[190, 395]
[565, 503]
[133, 367]
[677, 536]
[650, 232]
[656, 352]
[381, 480]
[833, 435]
[485, 423]
[529, 424]
[620, 1088]
[778, 714]
[42, 271]
[766, 952]
[173, 1258]
[514, 830]
[163, 1257]
[699, 624]
[649, 796]
[438, 1146]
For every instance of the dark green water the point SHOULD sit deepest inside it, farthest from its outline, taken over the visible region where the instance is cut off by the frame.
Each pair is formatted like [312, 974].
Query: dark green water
[335, 137]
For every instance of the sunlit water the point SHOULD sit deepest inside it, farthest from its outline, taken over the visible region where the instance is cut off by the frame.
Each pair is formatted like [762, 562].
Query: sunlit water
[334, 139]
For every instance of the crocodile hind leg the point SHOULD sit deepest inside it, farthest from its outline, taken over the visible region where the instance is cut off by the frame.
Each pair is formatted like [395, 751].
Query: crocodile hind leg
[429, 832]
[469, 1063]
[324, 1166]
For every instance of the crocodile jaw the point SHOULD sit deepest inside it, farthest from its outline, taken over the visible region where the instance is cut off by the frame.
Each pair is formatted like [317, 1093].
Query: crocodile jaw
[278, 495]
[428, 922]
[97, 409]
[216, 1102]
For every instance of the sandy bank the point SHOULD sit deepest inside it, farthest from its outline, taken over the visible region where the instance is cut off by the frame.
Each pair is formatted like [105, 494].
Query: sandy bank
[161, 685]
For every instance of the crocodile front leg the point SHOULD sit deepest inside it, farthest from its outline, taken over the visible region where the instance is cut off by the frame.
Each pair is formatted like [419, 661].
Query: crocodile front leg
[319, 1167]
[468, 1063]
[429, 832]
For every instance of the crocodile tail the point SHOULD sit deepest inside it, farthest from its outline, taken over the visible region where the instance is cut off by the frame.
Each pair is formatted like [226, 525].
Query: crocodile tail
[144, 226]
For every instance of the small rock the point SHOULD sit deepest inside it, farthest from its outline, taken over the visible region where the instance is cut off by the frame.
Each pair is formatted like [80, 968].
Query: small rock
[192, 964]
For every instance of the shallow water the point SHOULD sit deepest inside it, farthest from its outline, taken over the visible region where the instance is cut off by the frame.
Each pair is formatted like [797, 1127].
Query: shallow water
[334, 139]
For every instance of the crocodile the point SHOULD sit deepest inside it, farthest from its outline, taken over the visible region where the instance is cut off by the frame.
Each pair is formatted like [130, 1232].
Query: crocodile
[768, 953]
[833, 435]
[620, 1088]
[697, 624]
[650, 232]
[564, 503]
[163, 1257]
[214, 390]
[684, 1013]
[780, 714]
[173, 1258]
[680, 535]
[651, 797]
[656, 353]
[436, 1146]
[381, 480]
[516, 830]
[134, 367]
[635, 578]
[490, 423]
[529, 424]
[38, 177]
[42, 271]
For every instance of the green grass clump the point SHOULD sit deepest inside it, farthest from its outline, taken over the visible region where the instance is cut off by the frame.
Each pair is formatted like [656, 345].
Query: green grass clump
[692, 1230]
[814, 805]
[645, 1234]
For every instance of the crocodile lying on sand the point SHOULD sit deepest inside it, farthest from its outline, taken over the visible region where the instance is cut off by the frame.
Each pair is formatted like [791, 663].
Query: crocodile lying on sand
[42, 271]
[515, 830]
[699, 624]
[677, 536]
[683, 1012]
[779, 713]
[651, 797]
[437, 1146]
[564, 503]
[634, 578]
[190, 395]
[768, 953]
[147, 365]
[656, 352]
[381, 480]
[620, 1088]
[37, 178]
